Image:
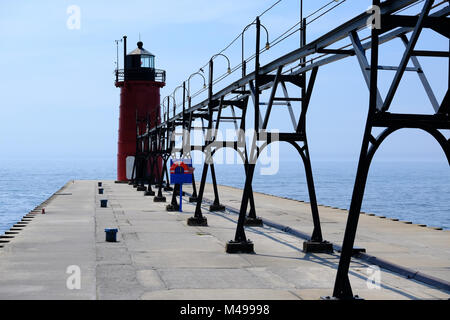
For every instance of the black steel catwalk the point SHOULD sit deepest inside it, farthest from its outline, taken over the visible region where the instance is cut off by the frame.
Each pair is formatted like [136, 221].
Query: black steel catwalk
[158, 144]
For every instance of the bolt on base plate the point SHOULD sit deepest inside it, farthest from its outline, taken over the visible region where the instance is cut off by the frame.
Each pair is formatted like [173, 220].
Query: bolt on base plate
[356, 297]
[159, 199]
[216, 207]
[253, 222]
[172, 207]
[317, 247]
[197, 221]
[356, 251]
[239, 247]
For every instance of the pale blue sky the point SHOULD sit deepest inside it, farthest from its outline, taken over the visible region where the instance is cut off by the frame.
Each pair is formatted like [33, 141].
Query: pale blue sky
[57, 86]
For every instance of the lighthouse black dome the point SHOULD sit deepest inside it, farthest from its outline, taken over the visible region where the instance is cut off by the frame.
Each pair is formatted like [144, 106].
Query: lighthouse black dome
[140, 50]
[140, 64]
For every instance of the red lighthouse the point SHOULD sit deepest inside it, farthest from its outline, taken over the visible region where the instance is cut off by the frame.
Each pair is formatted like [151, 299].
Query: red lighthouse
[139, 84]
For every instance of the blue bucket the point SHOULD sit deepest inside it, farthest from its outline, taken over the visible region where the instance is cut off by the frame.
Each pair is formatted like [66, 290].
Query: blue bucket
[111, 235]
[104, 203]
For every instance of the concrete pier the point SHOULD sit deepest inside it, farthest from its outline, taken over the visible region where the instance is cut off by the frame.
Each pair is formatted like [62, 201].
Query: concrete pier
[158, 256]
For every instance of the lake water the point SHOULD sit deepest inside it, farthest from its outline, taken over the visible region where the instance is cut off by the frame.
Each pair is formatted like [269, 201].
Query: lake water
[414, 191]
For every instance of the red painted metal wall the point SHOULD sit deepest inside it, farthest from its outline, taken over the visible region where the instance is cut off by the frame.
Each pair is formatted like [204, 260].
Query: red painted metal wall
[142, 97]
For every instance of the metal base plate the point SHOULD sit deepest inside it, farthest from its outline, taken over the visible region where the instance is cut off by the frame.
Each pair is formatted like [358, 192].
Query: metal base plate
[253, 222]
[192, 199]
[239, 247]
[216, 207]
[196, 221]
[168, 189]
[330, 298]
[141, 188]
[356, 251]
[172, 207]
[149, 193]
[317, 247]
[159, 199]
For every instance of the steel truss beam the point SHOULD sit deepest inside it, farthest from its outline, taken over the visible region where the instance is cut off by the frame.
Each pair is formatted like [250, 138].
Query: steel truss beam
[317, 46]
[357, 23]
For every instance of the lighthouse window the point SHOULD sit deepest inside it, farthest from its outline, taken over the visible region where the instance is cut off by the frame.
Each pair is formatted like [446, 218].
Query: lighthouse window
[145, 62]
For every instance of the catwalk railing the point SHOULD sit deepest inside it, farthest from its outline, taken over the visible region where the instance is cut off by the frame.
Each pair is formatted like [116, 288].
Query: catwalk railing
[154, 74]
[231, 105]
